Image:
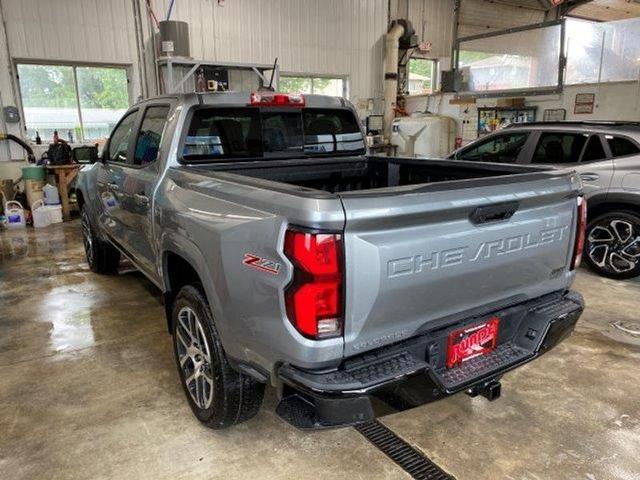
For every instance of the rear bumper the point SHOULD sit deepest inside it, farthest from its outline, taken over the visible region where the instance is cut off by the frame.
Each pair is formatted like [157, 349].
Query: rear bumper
[413, 372]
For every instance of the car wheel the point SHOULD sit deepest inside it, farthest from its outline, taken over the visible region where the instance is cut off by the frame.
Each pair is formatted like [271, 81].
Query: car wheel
[219, 396]
[612, 245]
[102, 257]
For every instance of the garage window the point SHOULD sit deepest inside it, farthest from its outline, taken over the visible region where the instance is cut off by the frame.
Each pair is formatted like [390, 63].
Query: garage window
[335, 87]
[81, 102]
[421, 73]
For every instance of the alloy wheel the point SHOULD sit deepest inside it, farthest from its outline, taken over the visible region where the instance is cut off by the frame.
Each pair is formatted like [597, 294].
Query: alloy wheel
[613, 245]
[194, 357]
[87, 238]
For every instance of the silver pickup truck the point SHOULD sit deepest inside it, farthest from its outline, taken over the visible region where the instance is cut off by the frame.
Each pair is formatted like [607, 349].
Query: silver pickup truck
[288, 257]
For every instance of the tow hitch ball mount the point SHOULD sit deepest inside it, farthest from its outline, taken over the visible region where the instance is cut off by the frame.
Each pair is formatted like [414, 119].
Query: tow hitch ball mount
[490, 390]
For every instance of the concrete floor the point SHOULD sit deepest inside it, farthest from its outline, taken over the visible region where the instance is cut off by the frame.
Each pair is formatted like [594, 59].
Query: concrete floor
[88, 389]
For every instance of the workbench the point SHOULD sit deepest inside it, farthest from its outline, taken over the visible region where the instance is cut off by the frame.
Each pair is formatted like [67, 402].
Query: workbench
[65, 174]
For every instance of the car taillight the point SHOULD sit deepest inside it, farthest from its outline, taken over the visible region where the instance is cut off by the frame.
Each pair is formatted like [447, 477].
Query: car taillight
[314, 298]
[580, 233]
[271, 99]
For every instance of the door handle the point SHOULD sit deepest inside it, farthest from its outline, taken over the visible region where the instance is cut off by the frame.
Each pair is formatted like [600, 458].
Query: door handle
[494, 213]
[589, 177]
[113, 186]
[141, 199]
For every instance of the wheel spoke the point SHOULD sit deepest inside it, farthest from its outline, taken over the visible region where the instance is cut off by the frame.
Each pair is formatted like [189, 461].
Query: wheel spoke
[622, 229]
[600, 234]
[599, 254]
[632, 249]
[194, 357]
[620, 264]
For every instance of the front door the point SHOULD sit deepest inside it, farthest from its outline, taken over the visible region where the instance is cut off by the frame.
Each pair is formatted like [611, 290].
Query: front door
[139, 179]
[111, 176]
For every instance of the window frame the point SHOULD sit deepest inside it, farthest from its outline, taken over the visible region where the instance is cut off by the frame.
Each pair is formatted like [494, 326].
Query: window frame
[603, 144]
[434, 76]
[142, 112]
[74, 66]
[312, 76]
[106, 152]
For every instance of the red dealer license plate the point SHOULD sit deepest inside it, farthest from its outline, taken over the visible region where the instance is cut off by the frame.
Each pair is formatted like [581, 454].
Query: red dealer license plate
[472, 341]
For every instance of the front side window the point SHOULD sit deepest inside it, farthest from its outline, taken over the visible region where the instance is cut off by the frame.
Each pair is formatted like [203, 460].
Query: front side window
[220, 133]
[148, 144]
[119, 141]
[621, 147]
[594, 150]
[558, 147]
[503, 148]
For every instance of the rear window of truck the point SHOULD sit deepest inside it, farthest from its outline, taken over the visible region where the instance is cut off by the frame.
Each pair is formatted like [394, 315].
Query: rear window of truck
[238, 133]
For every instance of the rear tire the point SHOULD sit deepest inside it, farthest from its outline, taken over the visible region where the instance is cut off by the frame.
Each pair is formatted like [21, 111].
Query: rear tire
[218, 395]
[102, 257]
[612, 245]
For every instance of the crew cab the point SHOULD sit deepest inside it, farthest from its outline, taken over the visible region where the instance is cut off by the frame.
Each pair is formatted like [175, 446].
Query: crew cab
[289, 257]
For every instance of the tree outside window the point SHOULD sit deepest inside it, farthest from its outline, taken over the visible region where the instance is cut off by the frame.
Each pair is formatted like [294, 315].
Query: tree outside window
[81, 103]
[312, 85]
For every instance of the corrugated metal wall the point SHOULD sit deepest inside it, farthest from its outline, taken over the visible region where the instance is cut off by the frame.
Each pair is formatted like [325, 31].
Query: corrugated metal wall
[72, 30]
[330, 37]
[432, 21]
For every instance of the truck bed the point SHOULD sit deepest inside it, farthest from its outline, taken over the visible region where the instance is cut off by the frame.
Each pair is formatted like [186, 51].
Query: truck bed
[349, 174]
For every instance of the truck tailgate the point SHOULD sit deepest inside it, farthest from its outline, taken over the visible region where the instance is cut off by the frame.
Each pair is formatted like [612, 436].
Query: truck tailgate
[420, 258]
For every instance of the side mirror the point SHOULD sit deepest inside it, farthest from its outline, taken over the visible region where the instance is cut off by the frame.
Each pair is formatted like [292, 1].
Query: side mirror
[85, 155]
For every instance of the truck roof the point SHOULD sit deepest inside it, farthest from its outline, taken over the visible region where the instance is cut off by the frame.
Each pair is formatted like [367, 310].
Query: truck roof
[241, 99]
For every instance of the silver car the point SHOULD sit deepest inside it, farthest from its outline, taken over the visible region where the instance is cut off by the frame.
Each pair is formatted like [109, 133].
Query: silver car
[607, 157]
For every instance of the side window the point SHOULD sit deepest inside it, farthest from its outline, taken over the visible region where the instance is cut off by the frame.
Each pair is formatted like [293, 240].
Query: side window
[594, 150]
[559, 147]
[621, 147]
[499, 149]
[148, 143]
[120, 137]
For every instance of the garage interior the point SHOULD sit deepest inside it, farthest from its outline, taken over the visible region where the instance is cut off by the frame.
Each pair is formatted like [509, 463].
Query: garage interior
[88, 381]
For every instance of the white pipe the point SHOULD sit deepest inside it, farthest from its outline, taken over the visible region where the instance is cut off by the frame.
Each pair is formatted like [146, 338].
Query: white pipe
[392, 43]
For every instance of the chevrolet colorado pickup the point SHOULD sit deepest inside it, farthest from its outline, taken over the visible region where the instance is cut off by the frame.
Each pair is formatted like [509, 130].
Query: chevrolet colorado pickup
[289, 257]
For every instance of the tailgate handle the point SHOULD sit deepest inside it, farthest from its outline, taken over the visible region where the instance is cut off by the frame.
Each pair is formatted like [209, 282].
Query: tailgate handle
[494, 213]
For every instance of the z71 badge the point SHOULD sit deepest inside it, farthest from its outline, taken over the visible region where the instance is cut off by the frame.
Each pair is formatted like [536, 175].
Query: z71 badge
[260, 263]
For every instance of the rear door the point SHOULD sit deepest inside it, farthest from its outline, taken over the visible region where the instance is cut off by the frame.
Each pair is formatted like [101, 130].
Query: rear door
[140, 176]
[579, 150]
[420, 259]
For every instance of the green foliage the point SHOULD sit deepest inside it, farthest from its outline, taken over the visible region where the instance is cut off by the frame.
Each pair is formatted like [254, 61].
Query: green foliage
[53, 86]
[47, 86]
[102, 87]
[304, 84]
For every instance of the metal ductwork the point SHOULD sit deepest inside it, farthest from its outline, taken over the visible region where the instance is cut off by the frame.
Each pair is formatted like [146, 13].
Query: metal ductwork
[400, 35]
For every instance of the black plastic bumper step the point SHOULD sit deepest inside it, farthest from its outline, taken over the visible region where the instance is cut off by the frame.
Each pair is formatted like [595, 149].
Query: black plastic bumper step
[357, 377]
[502, 357]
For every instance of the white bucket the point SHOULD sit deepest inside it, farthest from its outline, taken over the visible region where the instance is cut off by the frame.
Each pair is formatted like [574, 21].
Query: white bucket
[15, 215]
[40, 213]
[51, 195]
[55, 213]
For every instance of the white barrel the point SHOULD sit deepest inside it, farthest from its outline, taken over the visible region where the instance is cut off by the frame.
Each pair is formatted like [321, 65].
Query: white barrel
[55, 213]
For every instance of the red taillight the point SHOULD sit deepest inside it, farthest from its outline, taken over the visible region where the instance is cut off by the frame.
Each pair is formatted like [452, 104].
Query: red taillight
[580, 233]
[314, 298]
[271, 99]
